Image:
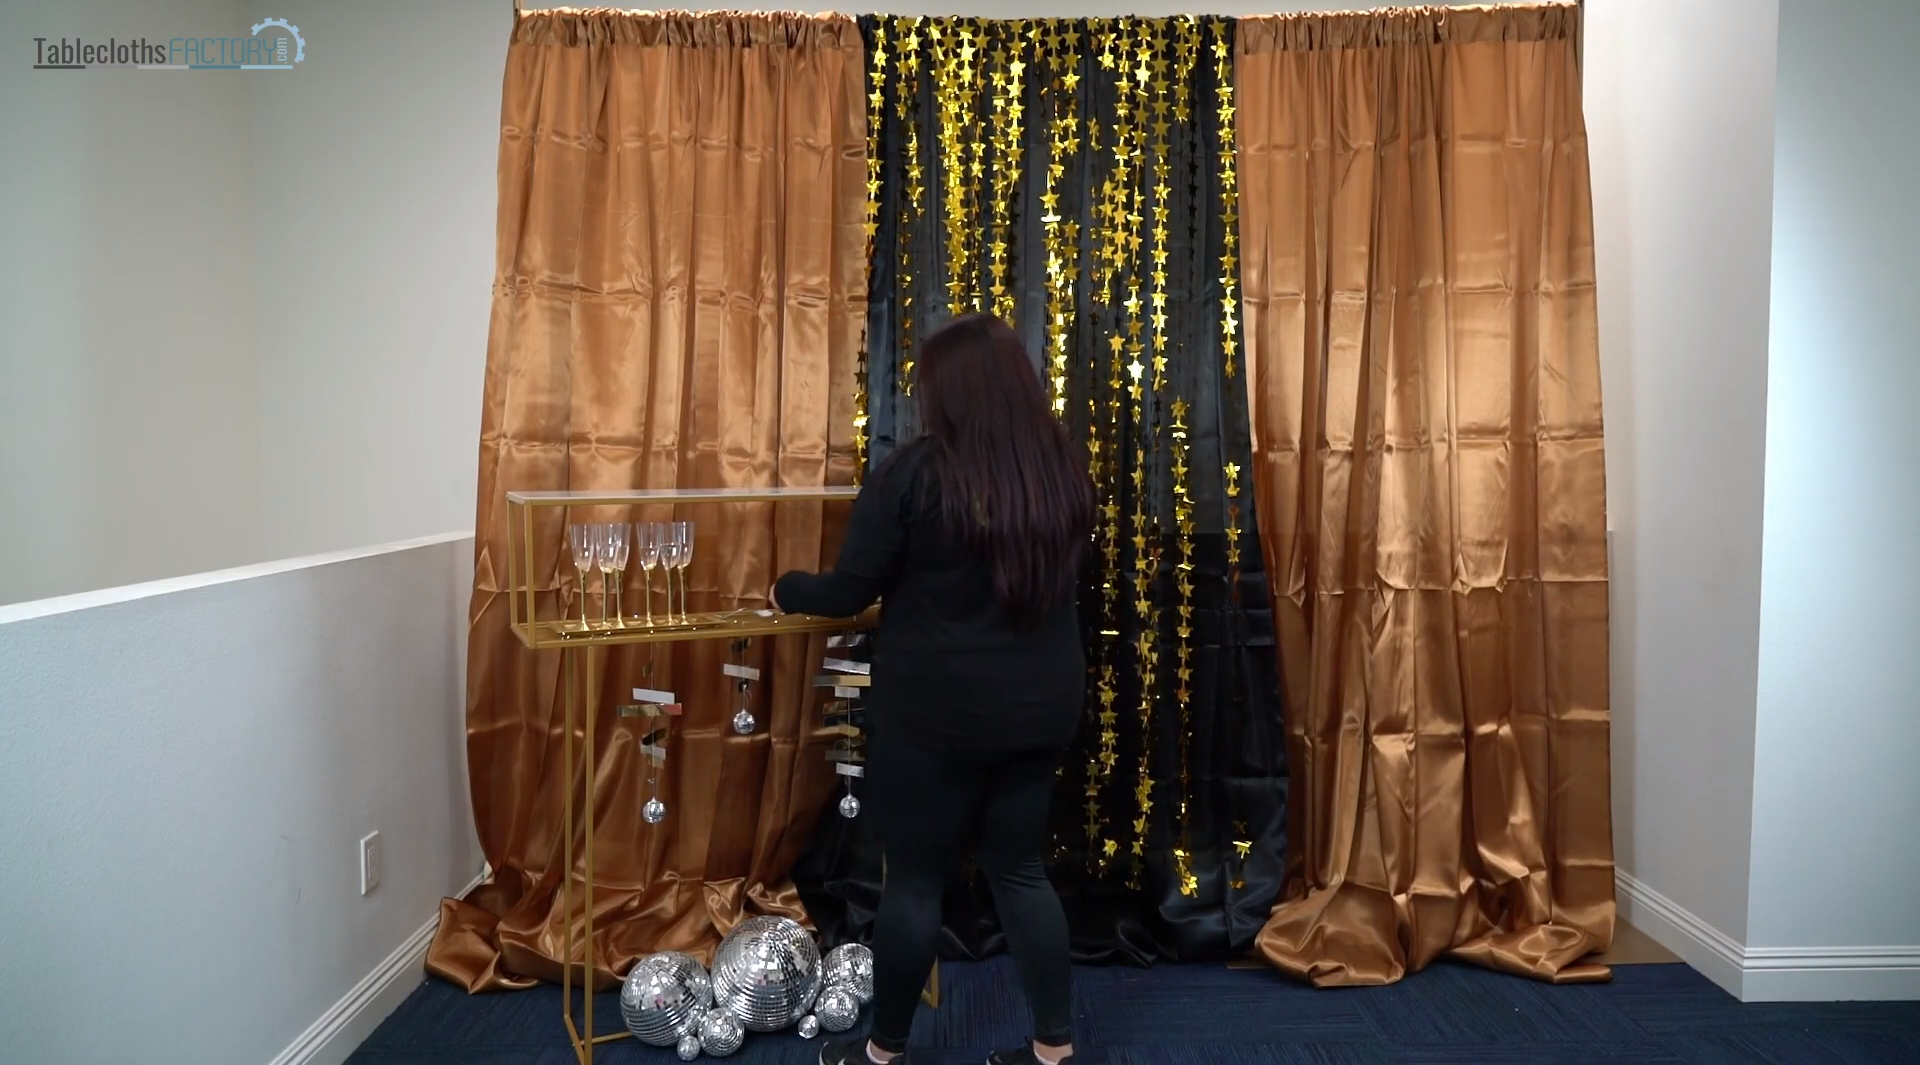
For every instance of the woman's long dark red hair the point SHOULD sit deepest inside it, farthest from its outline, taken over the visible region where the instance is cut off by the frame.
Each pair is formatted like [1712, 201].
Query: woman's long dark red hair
[1013, 484]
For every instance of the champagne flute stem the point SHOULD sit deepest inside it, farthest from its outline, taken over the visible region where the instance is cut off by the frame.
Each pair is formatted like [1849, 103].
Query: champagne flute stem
[619, 607]
[583, 597]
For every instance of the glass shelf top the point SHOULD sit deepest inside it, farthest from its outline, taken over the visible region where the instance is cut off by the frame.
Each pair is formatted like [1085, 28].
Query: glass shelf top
[687, 495]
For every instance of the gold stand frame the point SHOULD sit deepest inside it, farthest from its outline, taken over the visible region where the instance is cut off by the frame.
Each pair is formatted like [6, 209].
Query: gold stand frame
[580, 657]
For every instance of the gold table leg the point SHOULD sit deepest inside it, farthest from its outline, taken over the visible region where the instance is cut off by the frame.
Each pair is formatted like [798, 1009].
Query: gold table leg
[582, 684]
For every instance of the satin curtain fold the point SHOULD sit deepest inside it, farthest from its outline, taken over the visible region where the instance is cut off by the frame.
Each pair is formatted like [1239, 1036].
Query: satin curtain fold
[1425, 397]
[678, 300]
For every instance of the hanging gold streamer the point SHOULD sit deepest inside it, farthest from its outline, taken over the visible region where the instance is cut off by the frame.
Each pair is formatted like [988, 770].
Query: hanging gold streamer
[1229, 279]
[1063, 61]
[1185, 48]
[1229, 204]
[1136, 75]
[1009, 109]
[957, 44]
[1110, 241]
[912, 199]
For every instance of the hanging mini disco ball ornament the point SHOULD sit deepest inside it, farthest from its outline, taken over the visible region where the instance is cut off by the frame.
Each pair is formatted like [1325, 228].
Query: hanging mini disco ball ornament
[653, 811]
[665, 997]
[721, 1034]
[850, 966]
[767, 973]
[743, 722]
[849, 806]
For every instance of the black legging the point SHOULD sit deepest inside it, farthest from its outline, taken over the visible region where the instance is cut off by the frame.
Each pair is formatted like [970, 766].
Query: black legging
[925, 804]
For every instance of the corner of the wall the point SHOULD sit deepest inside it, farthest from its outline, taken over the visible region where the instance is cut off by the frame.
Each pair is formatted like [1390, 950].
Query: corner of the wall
[334, 1037]
[1716, 955]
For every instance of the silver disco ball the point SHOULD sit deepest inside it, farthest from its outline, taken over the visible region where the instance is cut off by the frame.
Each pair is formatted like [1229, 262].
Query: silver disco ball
[689, 1047]
[849, 965]
[721, 1034]
[743, 722]
[837, 1009]
[653, 811]
[849, 806]
[767, 973]
[665, 997]
[809, 1026]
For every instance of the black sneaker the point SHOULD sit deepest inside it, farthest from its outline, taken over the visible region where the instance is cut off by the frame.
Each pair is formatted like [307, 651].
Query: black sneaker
[854, 1052]
[1022, 1056]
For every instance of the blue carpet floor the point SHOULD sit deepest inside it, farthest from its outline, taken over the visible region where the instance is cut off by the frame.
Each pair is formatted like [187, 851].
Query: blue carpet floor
[1207, 1015]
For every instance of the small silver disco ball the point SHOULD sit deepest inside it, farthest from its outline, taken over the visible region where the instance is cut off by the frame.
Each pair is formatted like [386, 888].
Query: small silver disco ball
[837, 1009]
[689, 1047]
[809, 1026]
[653, 811]
[665, 997]
[850, 965]
[767, 973]
[721, 1034]
[849, 806]
[743, 722]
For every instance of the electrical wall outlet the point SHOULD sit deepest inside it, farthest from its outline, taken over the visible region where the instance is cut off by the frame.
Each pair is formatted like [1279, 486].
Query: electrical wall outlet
[370, 863]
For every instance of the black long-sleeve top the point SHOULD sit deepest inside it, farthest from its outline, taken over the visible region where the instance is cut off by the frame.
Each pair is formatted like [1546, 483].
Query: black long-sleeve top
[949, 667]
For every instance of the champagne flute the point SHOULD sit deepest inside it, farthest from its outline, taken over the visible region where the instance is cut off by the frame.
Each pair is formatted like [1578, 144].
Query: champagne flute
[617, 550]
[682, 558]
[646, 544]
[602, 561]
[669, 551]
[580, 541]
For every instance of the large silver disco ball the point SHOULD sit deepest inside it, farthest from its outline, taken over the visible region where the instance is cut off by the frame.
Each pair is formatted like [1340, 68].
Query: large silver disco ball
[837, 1009]
[721, 1034]
[849, 965]
[767, 973]
[665, 997]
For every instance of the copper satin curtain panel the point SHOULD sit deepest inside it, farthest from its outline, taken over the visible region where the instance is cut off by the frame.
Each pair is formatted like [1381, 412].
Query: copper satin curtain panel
[679, 294]
[1423, 376]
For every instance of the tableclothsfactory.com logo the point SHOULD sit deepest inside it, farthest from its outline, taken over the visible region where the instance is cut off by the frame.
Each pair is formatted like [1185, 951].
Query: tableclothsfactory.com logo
[275, 44]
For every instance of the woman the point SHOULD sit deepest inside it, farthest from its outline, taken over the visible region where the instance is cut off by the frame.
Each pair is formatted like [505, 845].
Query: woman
[971, 536]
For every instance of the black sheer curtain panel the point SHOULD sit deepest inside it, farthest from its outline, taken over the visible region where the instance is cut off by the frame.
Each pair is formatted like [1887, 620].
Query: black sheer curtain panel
[1076, 176]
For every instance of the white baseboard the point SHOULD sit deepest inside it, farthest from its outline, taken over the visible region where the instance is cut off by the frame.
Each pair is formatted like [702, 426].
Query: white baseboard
[333, 1038]
[1771, 974]
[1718, 956]
[1832, 974]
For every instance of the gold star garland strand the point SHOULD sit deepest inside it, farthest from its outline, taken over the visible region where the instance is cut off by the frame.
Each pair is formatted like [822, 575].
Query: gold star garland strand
[1009, 100]
[876, 119]
[1136, 75]
[1229, 281]
[955, 50]
[1229, 203]
[1059, 234]
[1186, 50]
[1104, 428]
[913, 197]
